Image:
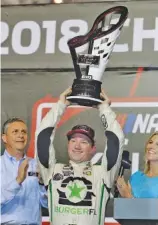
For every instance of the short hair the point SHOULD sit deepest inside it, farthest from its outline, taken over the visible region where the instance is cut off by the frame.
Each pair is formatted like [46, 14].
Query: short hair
[9, 121]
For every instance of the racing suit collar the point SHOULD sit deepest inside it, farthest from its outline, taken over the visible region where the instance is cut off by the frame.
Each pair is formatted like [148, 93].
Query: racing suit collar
[82, 164]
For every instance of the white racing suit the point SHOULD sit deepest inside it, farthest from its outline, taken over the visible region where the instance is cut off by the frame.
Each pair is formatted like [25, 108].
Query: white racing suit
[78, 193]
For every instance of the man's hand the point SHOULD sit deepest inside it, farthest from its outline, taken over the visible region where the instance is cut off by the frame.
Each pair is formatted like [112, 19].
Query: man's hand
[63, 96]
[105, 98]
[124, 189]
[22, 171]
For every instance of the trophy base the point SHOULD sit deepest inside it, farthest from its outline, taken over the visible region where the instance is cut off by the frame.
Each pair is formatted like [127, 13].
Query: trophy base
[85, 101]
[85, 92]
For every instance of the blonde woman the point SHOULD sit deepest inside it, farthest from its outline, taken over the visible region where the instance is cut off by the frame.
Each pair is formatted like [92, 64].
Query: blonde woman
[143, 184]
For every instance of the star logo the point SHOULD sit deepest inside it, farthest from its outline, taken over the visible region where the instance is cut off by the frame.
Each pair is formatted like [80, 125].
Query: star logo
[75, 191]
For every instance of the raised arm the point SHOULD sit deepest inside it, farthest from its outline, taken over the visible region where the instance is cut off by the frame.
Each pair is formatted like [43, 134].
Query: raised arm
[114, 142]
[45, 135]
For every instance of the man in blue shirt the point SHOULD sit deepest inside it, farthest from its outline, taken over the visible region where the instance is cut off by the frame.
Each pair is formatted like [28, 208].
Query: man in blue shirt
[21, 193]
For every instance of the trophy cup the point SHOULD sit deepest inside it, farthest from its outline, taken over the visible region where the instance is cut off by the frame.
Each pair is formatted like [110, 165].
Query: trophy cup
[101, 39]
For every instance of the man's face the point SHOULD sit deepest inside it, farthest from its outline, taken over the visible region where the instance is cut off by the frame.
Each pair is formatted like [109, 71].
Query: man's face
[15, 138]
[80, 149]
[152, 149]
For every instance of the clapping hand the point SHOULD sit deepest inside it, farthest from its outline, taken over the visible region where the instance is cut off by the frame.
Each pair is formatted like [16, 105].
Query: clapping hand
[22, 171]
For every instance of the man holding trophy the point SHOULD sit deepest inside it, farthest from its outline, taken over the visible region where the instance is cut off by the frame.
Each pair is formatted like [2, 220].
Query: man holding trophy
[78, 192]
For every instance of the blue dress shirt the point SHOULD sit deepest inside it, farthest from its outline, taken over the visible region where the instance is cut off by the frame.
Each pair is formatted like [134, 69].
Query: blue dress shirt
[144, 186]
[20, 204]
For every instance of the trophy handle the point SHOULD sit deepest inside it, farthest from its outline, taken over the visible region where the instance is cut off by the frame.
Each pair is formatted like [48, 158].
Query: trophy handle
[97, 32]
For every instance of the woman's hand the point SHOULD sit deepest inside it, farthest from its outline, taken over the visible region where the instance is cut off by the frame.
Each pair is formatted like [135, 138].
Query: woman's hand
[124, 188]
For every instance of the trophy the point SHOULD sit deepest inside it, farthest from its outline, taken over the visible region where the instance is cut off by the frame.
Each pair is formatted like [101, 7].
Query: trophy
[101, 39]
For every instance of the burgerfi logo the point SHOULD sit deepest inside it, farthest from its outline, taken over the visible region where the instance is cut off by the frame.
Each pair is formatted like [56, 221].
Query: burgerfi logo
[136, 115]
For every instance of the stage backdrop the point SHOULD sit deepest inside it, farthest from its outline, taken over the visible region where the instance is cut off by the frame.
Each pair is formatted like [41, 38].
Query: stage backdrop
[34, 40]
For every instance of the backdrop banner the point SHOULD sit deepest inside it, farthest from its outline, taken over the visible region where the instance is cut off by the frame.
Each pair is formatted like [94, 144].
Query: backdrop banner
[36, 37]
